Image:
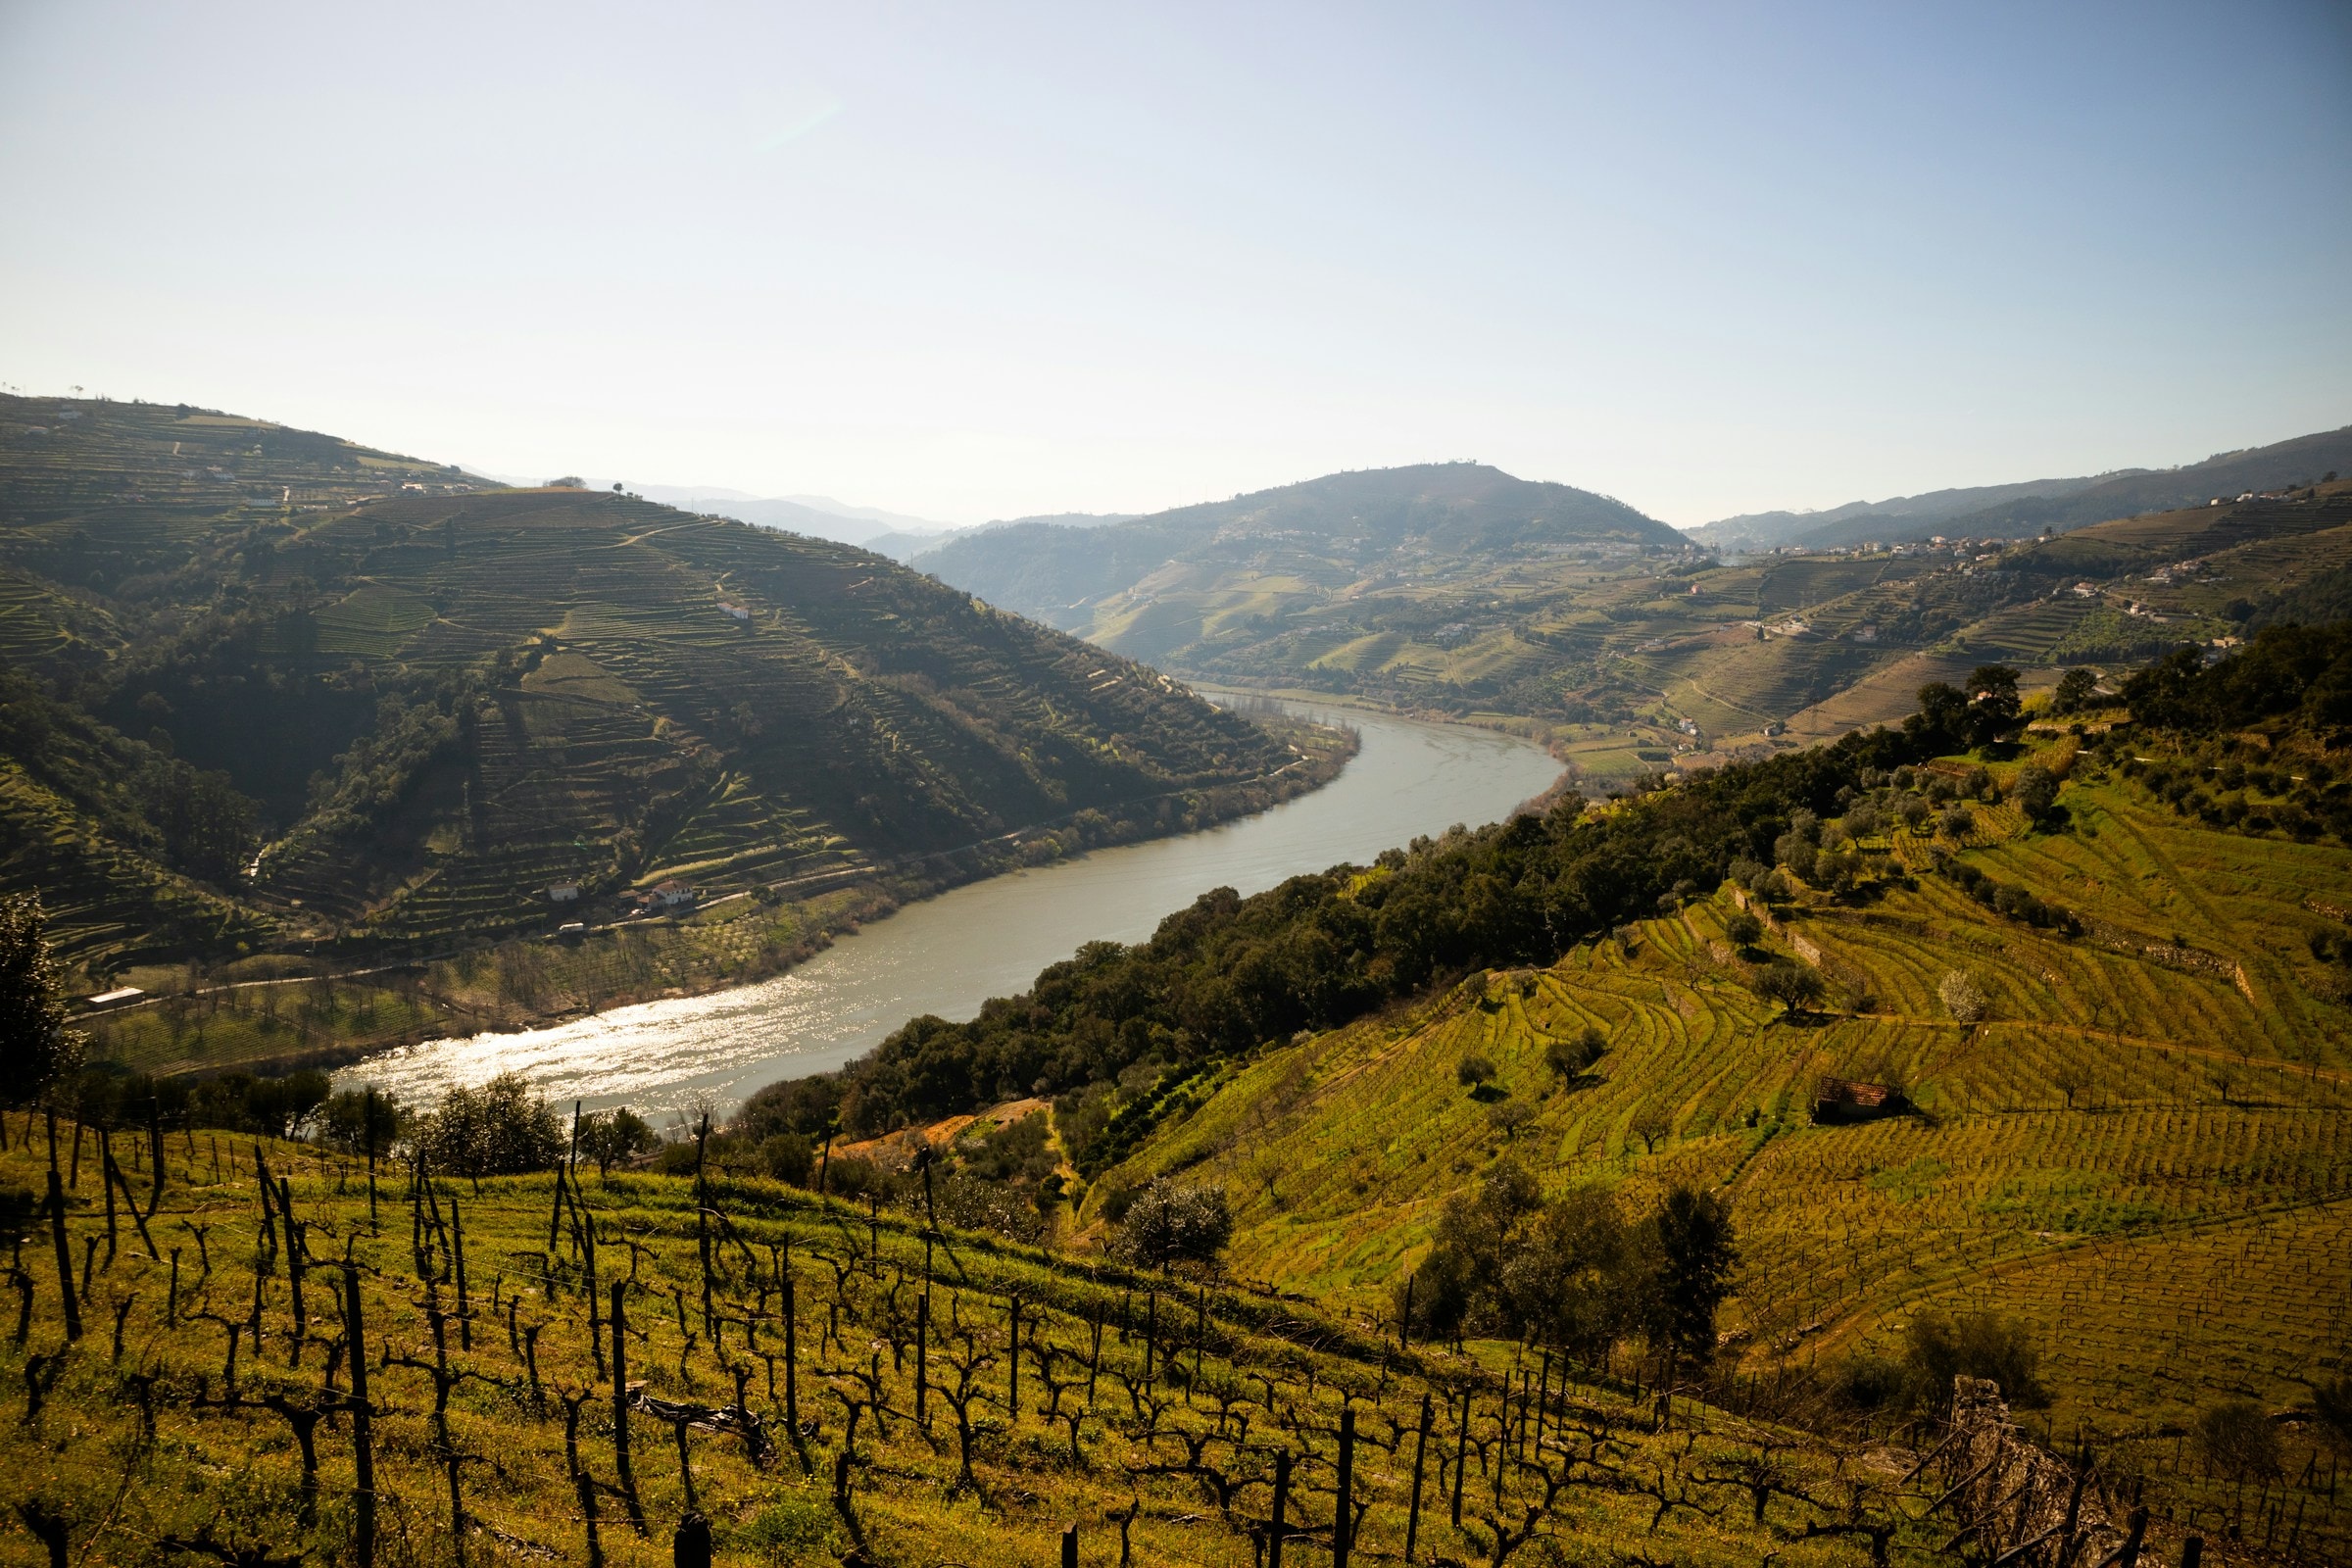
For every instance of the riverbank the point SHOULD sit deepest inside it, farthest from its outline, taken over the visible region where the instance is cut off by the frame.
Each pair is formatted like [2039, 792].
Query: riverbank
[280, 1013]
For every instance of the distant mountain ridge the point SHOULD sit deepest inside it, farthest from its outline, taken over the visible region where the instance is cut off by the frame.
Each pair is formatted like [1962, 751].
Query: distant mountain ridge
[2026, 509]
[1326, 533]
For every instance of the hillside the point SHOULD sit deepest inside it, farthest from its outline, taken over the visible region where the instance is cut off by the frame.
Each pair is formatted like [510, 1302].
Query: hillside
[1628, 658]
[364, 1367]
[2036, 1024]
[2132, 1146]
[1175, 584]
[424, 703]
[1893, 517]
[2021, 511]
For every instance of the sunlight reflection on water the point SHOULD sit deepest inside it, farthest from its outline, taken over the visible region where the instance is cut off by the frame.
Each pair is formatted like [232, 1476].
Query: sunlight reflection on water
[947, 954]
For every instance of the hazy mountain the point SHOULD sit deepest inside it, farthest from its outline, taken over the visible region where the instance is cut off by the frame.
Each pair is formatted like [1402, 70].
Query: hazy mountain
[1903, 516]
[818, 516]
[2025, 509]
[2302, 461]
[1328, 532]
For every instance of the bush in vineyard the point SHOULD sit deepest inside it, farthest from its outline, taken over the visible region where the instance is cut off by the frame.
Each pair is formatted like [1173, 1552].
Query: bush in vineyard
[2238, 1441]
[1962, 996]
[616, 1136]
[1168, 1224]
[500, 1129]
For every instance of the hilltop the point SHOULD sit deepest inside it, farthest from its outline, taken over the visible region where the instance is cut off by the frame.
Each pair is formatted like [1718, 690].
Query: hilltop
[2022, 509]
[270, 689]
[1172, 583]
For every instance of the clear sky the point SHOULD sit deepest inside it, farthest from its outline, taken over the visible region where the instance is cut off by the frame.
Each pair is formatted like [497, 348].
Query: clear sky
[970, 260]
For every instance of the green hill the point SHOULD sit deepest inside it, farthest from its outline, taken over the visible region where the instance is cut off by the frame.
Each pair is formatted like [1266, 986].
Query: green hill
[420, 703]
[1178, 582]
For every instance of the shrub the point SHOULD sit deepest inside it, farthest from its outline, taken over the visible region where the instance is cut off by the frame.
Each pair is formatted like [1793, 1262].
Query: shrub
[2238, 1440]
[1963, 997]
[2333, 1400]
[616, 1136]
[1695, 1257]
[1975, 1345]
[36, 1048]
[1168, 1224]
[787, 1157]
[2037, 790]
[1569, 1280]
[1569, 1057]
[1508, 1116]
[500, 1129]
[278, 1106]
[360, 1121]
[1870, 1383]
[2075, 689]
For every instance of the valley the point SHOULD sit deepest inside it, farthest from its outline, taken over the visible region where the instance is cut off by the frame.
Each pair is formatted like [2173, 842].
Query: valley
[283, 708]
[1629, 650]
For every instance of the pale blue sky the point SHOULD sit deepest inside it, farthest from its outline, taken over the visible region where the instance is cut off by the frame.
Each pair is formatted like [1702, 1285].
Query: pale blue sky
[967, 260]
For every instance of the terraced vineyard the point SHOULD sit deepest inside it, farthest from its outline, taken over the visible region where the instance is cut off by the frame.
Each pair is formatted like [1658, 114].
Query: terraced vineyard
[440, 700]
[281, 1351]
[2141, 1151]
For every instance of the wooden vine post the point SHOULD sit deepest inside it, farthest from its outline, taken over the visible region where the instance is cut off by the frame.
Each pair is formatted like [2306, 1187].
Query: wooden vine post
[1412, 1517]
[1343, 1519]
[620, 1405]
[362, 1429]
[1279, 1524]
[57, 1234]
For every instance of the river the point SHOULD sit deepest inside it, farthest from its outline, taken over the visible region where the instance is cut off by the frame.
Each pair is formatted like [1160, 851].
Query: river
[948, 954]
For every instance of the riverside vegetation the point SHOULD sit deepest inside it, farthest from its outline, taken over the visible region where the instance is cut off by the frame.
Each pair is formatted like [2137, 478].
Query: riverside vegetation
[275, 708]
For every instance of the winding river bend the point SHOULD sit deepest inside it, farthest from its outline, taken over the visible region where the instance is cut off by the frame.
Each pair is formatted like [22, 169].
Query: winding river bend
[948, 954]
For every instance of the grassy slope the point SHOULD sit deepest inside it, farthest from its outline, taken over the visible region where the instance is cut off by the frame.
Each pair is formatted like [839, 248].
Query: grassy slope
[2174, 1233]
[1271, 1374]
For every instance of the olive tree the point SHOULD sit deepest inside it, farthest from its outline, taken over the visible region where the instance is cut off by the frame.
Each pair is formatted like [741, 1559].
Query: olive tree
[1793, 986]
[500, 1129]
[1168, 1224]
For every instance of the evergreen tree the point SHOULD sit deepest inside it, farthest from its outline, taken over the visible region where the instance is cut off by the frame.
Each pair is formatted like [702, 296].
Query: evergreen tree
[36, 1048]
